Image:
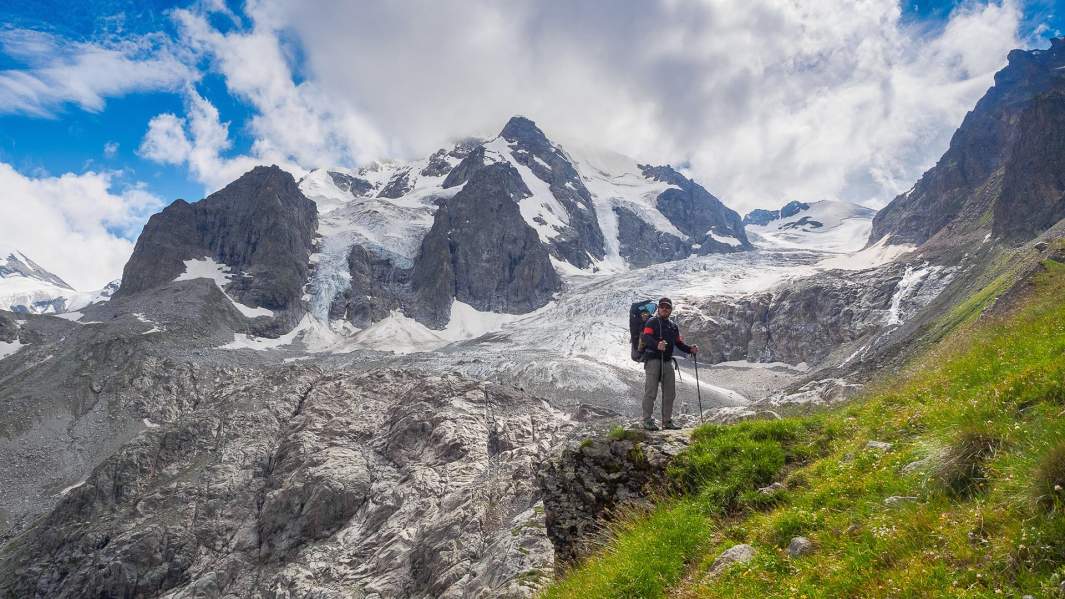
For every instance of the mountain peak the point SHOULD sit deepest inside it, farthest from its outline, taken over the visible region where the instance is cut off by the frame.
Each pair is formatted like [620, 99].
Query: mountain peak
[524, 131]
[17, 264]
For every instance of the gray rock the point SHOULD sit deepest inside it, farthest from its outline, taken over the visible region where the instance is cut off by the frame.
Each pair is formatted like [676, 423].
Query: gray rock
[773, 488]
[1041, 246]
[354, 185]
[470, 163]
[261, 226]
[800, 546]
[581, 240]
[481, 252]
[896, 500]
[805, 321]
[737, 554]
[297, 481]
[397, 187]
[760, 216]
[643, 245]
[917, 465]
[438, 165]
[1003, 160]
[589, 480]
[695, 211]
[879, 446]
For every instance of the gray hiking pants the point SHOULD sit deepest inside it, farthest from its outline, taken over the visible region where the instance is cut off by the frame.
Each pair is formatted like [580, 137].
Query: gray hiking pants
[652, 369]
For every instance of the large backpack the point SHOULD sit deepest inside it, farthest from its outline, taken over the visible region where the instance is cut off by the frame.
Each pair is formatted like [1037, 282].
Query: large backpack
[636, 327]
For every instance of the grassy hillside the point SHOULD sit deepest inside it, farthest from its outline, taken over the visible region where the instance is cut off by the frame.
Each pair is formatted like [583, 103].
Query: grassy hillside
[967, 501]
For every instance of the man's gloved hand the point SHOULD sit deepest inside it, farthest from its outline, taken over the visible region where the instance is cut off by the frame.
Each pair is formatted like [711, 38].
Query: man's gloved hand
[695, 349]
[662, 345]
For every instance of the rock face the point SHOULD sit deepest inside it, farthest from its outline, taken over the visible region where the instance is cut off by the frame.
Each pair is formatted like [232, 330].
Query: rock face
[377, 287]
[354, 185]
[807, 320]
[480, 251]
[642, 244]
[585, 483]
[261, 226]
[697, 213]
[760, 216]
[298, 482]
[582, 239]
[1003, 166]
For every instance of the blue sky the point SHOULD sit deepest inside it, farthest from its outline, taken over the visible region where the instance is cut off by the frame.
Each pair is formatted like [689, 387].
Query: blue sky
[160, 100]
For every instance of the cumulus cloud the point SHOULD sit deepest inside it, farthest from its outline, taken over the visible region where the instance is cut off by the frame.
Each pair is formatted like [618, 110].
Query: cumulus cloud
[198, 140]
[762, 101]
[76, 226]
[294, 125]
[60, 71]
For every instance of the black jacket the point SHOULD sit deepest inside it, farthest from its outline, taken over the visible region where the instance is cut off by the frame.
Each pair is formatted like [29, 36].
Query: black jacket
[657, 329]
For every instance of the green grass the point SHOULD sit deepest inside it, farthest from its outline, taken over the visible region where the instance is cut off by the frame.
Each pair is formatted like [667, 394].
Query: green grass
[984, 409]
[620, 433]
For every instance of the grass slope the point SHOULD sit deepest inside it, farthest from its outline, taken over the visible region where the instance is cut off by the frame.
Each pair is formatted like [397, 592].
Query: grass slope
[977, 434]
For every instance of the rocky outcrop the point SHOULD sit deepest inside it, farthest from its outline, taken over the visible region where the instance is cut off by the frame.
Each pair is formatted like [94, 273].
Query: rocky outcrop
[1033, 186]
[589, 481]
[8, 327]
[582, 240]
[261, 226]
[760, 216]
[1002, 167]
[398, 186]
[377, 287]
[471, 163]
[697, 213]
[299, 482]
[643, 245]
[807, 320]
[353, 185]
[481, 252]
[437, 165]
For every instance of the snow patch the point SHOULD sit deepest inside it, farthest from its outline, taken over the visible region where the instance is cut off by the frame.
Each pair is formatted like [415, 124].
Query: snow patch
[8, 348]
[207, 268]
[843, 227]
[727, 240]
[71, 488]
[403, 335]
[149, 423]
[244, 341]
[875, 255]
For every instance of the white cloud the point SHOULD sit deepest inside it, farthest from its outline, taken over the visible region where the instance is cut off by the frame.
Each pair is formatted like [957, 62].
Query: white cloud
[762, 101]
[198, 140]
[60, 71]
[76, 226]
[294, 125]
[110, 149]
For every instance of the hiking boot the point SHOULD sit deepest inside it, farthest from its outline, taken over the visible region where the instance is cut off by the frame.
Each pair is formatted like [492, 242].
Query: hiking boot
[650, 425]
[671, 426]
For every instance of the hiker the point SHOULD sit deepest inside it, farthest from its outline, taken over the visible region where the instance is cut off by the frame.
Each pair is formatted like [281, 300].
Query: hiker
[660, 335]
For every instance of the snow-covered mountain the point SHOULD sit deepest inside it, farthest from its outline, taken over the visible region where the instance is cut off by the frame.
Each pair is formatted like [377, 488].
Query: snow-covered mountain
[27, 287]
[387, 228]
[827, 226]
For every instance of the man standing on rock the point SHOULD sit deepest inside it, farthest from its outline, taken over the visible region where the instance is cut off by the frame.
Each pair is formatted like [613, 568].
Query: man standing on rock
[660, 336]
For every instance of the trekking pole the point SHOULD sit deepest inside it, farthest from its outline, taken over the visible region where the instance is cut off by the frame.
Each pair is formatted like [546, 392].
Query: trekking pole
[698, 389]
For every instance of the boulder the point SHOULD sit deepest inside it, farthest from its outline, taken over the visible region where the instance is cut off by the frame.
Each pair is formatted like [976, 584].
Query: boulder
[737, 554]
